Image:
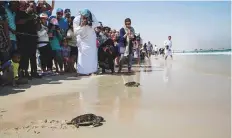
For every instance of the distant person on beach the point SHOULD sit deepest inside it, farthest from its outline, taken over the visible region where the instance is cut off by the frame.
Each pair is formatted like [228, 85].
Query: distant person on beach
[156, 50]
[161, 51]
[149, 49]
[84, 28]
[168, 47]
[145, 47]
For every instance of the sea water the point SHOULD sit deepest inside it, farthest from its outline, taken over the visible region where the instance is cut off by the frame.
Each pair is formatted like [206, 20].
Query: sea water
[211, 62]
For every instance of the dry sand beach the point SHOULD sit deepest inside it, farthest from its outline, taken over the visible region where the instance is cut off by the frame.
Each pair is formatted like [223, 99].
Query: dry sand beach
[175, 100]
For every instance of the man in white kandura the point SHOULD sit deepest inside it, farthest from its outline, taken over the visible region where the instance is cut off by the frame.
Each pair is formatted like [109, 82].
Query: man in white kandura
[83, 27]
[156, 50]
[168, 47]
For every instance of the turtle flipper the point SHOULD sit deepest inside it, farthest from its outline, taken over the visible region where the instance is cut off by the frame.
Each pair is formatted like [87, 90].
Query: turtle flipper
[69, 123]
[96, 122]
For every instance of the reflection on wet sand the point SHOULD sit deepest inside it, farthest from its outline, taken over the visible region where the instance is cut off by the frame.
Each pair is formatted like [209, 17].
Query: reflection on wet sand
[167, 71]
[117, 99]
[147, 65]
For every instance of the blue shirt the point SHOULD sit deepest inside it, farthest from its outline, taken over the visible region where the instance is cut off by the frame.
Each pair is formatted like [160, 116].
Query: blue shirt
[66, 51]
[63, 24]
[11, 22]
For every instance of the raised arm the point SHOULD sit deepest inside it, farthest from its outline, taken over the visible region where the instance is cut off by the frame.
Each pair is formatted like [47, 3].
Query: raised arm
[165, 43]
[77, 29]
[53, 5]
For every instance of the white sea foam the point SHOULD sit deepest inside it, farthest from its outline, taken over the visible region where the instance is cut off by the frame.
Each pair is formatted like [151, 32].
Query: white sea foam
[206, 53]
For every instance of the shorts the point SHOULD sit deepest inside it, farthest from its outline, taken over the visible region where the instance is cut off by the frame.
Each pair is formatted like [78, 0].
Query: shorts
[149, 51]
[74, 51]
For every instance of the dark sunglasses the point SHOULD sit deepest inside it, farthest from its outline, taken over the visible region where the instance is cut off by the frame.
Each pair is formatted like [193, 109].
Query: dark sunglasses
[59, 13]
[128, 24]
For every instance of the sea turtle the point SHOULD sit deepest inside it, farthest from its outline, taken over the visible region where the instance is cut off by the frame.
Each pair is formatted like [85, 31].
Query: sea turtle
[132, 84]
[86, 119]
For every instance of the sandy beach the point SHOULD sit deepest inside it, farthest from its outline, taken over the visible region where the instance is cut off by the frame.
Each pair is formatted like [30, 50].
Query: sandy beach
[175, 100]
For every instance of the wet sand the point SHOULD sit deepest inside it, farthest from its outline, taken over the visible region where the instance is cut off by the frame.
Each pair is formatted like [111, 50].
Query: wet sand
[173, 101]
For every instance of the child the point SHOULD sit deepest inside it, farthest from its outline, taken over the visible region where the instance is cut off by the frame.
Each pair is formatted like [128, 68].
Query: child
[10, 71]
[55, 37]
[66, 57]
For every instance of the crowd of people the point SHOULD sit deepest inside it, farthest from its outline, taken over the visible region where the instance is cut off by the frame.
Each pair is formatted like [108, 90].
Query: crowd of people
[63, 41]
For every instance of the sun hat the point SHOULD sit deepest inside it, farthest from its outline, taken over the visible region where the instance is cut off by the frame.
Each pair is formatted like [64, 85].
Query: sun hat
[59, 10]
[67, 11]
[43, 15]
[54, 21]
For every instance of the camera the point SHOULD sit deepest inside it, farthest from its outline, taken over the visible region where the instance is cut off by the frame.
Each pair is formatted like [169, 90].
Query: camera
[167, 47]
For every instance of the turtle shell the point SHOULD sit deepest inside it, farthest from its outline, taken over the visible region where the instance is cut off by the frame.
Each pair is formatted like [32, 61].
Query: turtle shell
[132, 84]
[84, 119]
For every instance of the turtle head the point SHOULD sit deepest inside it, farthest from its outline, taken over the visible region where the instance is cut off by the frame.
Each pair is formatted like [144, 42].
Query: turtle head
[100, 119]
[137, 84]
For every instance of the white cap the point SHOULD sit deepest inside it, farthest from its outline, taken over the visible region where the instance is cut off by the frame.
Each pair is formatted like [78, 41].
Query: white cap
[43, 15]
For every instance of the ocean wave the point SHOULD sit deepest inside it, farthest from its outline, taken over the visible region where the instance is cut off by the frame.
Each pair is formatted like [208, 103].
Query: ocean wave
[206, 53]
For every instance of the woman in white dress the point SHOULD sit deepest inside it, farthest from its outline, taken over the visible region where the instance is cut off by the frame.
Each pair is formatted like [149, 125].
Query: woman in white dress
[83, 27]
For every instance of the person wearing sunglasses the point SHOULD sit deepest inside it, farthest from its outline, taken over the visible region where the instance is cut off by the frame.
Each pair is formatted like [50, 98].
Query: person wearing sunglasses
[168, 47]
[127, 36]
[63, 23]
[67, 13]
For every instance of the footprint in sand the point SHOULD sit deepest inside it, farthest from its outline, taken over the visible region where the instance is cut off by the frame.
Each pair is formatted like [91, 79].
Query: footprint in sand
[34, 127]
[3, 110]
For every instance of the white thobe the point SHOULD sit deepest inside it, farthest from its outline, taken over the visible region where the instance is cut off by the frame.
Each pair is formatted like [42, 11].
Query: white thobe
[87, 61]
[156, 49]
[168, 43]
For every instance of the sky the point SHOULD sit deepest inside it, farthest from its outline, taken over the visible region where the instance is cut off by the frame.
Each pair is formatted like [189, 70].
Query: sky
[192, 25]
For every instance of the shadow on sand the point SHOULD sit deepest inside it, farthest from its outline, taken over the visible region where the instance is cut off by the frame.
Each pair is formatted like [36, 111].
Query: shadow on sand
[7, 90]
[53, 80]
